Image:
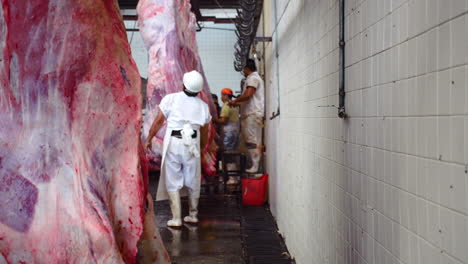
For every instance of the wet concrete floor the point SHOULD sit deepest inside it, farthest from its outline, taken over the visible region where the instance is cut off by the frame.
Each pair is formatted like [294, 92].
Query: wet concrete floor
[223, 234]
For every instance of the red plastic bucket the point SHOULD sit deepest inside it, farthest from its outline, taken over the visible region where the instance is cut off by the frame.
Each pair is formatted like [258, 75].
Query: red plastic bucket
[254, 190]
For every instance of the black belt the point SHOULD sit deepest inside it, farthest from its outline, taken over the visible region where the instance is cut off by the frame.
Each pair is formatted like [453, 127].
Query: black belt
[178, 134]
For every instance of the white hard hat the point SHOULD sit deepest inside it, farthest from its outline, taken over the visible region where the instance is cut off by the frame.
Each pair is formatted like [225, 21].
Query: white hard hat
[193, 81]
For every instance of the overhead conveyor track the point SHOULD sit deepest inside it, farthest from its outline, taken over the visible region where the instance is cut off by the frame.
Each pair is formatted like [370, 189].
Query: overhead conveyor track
[248, 19]
[197, 6]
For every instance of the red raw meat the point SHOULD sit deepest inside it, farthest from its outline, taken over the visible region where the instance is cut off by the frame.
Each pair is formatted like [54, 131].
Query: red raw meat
[71, 184]
[168, 30]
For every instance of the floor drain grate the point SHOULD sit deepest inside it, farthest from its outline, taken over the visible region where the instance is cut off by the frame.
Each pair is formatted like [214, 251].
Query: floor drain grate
[261, 241]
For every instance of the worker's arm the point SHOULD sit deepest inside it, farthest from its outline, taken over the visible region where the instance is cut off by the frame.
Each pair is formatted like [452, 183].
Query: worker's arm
[204, 136]
[249, 92]
[157, 124]
[222, 120]
[204, 141]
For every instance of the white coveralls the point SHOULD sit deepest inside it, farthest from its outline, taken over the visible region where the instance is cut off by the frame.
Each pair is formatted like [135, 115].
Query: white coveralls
[181, 164]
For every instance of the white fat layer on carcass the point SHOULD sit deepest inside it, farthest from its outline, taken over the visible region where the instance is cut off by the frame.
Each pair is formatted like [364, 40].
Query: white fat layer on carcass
[56, 195]
[14, 78]
[92, 96]
[155, 28]
[66, 188]
[3, 33]
[20, 257]
[49, 137]
[65, 194]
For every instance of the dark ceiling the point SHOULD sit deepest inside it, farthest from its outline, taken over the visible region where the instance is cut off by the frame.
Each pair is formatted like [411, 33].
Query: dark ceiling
[196, 6]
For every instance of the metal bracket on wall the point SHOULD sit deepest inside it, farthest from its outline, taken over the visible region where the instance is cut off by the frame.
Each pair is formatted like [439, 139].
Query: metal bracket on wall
[263, 39]
[275, 114]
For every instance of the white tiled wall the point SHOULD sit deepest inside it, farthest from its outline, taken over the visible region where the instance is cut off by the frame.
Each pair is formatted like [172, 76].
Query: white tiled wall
[390, 184]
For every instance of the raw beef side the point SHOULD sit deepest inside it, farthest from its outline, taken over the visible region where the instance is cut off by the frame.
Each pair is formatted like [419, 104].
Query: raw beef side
[168, 31]
[71, 183]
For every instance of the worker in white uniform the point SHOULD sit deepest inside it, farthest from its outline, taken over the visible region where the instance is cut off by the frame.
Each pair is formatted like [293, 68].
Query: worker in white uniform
[252, 113]
[186, 116]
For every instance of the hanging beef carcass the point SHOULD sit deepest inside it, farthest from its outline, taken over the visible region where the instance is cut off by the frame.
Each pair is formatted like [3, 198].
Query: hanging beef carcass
[168, 31]
[71, 183]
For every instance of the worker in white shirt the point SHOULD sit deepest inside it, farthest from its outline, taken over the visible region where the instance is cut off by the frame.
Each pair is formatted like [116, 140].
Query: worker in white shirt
[186, 115]
[252, 113]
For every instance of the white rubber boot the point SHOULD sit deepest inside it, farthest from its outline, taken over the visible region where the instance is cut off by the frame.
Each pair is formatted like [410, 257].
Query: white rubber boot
[255, 155]
[174, 201]
[193, 209]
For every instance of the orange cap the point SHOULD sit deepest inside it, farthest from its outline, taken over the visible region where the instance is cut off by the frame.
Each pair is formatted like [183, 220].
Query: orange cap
[227, 91]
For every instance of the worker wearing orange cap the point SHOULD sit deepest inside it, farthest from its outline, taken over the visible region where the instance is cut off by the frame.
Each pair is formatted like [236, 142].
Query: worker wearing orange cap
[229, 119]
